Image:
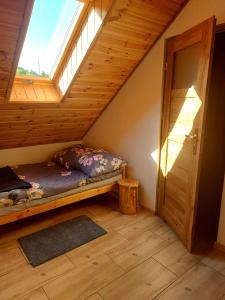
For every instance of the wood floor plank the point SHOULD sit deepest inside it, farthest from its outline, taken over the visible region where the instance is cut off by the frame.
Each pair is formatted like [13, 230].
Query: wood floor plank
[167, 234]
[38, 294]
[176, 258]
[100, 209]
[142, 282]
[128, 245]
[153, 224]
[95, 296]
[26, 278]
[105, 218]
[95, 248]
[9, 245]
[102, 213]
[119, 221]
[149, 223]
[216, 260]
[123, 264]
[201, 282]
[10, 259]
[140, 253]
[83, 281]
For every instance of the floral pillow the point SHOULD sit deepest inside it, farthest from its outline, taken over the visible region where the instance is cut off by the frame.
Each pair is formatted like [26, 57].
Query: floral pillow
[69, 156]
[99, 162]
[93, 162]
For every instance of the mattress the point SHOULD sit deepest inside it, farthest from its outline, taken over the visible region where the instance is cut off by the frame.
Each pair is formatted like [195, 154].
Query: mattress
[49, 181]
[19, 207]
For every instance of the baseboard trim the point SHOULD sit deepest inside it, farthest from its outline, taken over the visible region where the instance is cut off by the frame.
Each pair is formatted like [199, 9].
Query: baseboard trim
[147, 208]
[219, 246]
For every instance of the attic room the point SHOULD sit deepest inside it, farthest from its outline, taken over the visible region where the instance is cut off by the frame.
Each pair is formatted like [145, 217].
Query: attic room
[112, 165]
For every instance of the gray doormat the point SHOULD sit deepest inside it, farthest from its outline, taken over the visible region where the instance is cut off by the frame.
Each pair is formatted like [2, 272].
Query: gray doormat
[51, 242]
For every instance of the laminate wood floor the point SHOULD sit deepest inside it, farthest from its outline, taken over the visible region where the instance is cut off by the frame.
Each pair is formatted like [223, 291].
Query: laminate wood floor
[139, 258]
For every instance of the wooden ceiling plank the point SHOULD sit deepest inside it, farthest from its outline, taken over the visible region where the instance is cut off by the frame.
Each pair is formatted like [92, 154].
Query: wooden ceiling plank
[12, 5]
[28, 6]
[130, 29]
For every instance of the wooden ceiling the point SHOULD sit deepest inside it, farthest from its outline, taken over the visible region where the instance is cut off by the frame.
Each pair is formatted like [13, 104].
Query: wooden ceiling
[129, 30]
[14, 16]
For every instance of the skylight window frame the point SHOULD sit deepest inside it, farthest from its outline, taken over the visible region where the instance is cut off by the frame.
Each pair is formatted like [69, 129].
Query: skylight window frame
[59, 64]
[35, 89]
[75, 32]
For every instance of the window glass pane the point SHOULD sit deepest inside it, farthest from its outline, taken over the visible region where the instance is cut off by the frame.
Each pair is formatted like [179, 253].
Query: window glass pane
[186, 66]
[51, 24]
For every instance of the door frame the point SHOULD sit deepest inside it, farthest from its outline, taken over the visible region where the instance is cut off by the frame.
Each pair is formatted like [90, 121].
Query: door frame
[220, 28]
[167, 77]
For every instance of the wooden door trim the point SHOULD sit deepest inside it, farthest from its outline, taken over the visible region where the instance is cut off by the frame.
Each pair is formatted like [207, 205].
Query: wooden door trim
[181, 41]
[164, 112]
[198, 34]
[205, 73]
[172, 45]
[220, 28]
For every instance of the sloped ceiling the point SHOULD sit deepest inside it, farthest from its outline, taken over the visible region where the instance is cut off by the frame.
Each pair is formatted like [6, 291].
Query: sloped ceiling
[14, 16]
[128, 32]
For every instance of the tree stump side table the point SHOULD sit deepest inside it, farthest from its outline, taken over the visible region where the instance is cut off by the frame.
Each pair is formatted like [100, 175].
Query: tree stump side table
[128, 195]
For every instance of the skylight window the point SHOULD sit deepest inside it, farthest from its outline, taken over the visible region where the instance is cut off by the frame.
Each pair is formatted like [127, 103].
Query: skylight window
[50, 28]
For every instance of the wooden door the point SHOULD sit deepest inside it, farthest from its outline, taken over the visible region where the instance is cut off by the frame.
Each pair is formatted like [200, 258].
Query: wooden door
[186, 75]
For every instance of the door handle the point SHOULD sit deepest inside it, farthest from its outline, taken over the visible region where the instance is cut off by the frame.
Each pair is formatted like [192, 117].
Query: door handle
[191, 137]
[194, 138]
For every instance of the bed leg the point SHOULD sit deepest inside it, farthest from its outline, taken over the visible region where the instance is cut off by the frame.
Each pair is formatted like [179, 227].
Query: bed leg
[124, 171]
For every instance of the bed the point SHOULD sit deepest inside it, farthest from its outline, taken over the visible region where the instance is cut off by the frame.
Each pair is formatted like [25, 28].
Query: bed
[74, 174]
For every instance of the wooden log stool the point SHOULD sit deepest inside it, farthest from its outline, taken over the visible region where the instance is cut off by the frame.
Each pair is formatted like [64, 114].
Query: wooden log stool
[128, 196]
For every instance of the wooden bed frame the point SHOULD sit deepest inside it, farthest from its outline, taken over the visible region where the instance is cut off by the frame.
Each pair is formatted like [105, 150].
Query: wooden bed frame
[14, 216]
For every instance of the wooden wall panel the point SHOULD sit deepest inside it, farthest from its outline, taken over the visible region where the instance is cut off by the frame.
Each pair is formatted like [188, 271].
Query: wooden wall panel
[14, 18]
[92, 20]
[28, 90]
[129, 30]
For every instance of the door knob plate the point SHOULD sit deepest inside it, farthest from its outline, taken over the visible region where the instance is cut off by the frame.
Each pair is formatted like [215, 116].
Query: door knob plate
[194, 138]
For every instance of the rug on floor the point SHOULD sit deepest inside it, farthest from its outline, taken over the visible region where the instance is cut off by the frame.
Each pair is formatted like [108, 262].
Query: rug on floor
[56, 240]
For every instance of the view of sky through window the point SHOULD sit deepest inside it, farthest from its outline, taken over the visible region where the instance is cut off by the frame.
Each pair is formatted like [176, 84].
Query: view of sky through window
[50, 27]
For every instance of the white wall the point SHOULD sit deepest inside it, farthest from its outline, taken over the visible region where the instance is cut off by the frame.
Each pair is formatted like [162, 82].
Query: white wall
[130, 125]
[28, 155]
